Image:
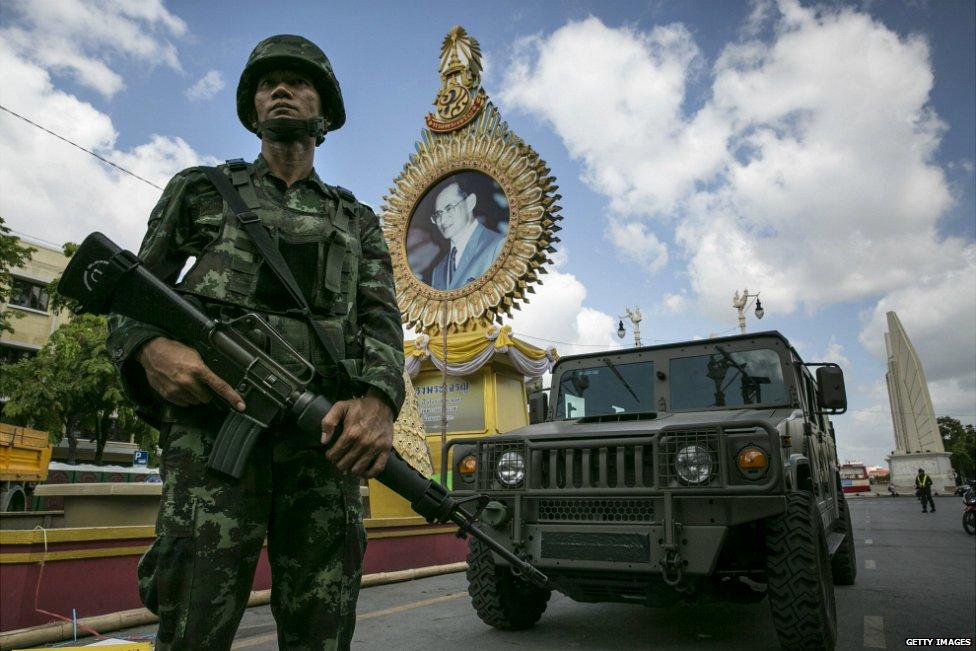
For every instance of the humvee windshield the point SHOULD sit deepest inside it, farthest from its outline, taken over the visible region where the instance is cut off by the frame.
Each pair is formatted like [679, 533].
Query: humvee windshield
[613, 388]
[727, 379]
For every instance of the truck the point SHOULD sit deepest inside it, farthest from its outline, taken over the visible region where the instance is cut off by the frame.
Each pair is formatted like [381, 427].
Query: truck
[24, 458]
[702, 470]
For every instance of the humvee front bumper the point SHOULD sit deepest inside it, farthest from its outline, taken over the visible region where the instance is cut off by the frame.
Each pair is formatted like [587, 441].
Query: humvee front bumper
[618, 504]
[692, 534]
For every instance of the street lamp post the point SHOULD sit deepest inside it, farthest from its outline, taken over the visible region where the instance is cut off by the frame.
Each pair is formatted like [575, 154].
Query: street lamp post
[740, 302]
[635, 318]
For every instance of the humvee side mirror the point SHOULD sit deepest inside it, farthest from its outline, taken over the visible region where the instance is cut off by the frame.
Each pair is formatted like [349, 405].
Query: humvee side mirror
[538, 407]
[830, 389]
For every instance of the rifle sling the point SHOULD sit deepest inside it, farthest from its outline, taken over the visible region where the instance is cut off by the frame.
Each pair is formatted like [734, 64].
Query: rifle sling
[272, 256]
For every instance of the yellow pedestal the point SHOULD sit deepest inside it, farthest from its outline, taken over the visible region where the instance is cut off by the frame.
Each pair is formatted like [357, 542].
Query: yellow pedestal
[489, 401]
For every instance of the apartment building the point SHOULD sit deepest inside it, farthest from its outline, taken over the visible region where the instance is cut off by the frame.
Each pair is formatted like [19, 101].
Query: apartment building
[29, 299]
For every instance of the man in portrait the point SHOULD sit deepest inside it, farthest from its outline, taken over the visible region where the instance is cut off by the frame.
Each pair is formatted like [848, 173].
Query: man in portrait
[472, 248]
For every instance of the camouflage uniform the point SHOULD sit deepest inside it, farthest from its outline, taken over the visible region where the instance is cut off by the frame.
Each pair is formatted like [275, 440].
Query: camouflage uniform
[198, 573]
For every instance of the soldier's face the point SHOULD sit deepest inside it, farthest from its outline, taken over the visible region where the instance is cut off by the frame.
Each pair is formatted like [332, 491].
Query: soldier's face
[452, 214]
[286, 94]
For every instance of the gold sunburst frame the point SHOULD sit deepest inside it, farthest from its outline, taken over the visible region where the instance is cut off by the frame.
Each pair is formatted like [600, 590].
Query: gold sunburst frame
[485, 144]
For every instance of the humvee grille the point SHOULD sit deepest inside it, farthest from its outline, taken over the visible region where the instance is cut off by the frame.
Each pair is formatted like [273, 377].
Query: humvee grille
[595, 510]
[612, 466]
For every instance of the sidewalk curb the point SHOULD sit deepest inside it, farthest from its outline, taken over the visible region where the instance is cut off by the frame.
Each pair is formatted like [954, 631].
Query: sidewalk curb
[59, 631]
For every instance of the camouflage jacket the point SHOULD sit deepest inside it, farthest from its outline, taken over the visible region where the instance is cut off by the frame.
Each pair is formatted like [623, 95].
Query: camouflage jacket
[334, 247]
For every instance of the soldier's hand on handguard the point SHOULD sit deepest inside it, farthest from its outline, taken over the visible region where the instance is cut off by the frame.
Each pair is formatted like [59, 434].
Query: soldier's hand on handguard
[177, 373]
[367, 435]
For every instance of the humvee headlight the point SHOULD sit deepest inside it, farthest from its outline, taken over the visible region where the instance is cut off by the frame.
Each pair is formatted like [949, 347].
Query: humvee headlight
[693, 463]
[511, 468]
[752, 462]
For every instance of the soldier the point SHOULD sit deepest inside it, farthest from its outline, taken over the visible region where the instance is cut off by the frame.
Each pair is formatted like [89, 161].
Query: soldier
[198, 573]
[923, 490]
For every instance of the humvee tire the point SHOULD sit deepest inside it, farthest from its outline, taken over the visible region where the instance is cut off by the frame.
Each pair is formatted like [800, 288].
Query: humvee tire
[500, 599]
[844, 563]
[800, 588]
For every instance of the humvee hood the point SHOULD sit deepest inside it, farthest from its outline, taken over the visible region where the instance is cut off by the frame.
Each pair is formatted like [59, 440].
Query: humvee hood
[647, 425]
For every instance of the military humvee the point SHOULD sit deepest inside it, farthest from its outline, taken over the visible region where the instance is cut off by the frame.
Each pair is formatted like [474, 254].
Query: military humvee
[698, 470]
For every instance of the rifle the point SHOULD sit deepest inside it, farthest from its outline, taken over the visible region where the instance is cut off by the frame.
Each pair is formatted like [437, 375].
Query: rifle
[102, 277]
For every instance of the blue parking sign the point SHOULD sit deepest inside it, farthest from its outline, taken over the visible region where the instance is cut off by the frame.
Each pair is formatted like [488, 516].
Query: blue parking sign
[141, 457]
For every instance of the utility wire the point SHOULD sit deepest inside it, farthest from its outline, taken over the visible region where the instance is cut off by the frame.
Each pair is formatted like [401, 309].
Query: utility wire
[34, 238]
[88, 151]
[569, 343]
[134, 175]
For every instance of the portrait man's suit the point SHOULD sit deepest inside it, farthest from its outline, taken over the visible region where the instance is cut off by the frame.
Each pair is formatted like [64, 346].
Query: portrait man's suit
[480, 251]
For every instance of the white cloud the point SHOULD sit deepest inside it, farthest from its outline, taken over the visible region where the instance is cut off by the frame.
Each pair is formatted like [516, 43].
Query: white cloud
[206, 87]
[808, 172]
[55, 192]
[674, 303]
[636, 243]
[557, 316]
[954, 397]
[938, 313]
[621, 115]
[80, 38]
[835, 354]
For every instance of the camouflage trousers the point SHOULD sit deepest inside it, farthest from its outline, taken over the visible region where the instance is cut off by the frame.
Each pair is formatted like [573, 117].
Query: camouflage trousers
[198, 573]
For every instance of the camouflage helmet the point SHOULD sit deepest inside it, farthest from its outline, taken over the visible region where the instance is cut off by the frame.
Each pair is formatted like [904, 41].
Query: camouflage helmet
[287, 50]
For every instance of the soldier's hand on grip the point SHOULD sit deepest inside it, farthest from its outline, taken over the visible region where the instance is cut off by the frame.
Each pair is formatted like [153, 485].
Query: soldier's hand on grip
[367, 435]
[177, 373]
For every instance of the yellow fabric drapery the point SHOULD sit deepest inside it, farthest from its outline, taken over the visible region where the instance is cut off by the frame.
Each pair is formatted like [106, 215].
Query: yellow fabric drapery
[468, 351]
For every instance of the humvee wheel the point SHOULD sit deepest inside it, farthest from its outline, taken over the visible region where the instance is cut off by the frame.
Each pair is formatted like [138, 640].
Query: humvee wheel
[800, 589]
[844, 563]
[501, 599]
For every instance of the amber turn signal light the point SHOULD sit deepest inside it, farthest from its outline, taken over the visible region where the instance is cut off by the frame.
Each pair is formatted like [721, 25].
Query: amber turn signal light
[468, 465]
[752, 462]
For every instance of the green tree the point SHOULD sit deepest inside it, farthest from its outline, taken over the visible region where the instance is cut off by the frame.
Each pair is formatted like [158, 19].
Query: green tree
[71, 388]
[960, 442]
[56, 301]
[12, 254]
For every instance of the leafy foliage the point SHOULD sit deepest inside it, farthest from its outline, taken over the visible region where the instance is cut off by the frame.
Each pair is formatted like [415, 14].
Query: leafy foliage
[56, 301]
[960, 441]
[71, 388]
[13, 254]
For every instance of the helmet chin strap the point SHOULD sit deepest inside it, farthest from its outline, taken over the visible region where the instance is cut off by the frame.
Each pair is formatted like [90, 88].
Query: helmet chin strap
[290, 129]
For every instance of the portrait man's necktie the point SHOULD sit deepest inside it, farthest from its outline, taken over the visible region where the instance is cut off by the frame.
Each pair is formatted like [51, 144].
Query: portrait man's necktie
[451, 265]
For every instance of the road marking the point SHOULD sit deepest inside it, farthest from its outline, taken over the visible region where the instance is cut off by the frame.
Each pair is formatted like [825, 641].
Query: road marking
[870, 565]
[254, 641]
[874, 635]
[868, 541]
[270, 637]
[411, 606]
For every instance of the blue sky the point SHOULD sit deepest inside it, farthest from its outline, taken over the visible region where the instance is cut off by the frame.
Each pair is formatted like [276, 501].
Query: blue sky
[820, 154]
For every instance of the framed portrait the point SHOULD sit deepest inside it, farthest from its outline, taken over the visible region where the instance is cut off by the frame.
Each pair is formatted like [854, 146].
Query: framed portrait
[457, 230]
[469, 222]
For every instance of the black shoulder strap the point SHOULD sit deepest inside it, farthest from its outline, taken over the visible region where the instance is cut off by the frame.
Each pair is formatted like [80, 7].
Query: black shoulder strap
[252, 225]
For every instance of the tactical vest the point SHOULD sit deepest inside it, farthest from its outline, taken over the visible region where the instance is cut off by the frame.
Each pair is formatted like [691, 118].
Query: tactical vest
[323, 250]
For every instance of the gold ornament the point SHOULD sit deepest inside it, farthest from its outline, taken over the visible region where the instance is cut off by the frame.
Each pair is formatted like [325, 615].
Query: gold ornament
[467, 135]
[460, 97]
[488, 146]
[409, 435]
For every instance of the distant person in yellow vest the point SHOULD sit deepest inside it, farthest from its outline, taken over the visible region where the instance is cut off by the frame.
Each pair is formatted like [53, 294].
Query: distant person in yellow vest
[923, 489]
